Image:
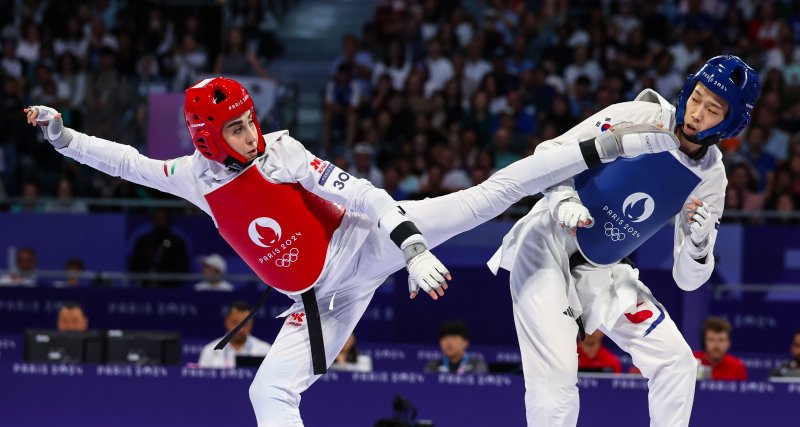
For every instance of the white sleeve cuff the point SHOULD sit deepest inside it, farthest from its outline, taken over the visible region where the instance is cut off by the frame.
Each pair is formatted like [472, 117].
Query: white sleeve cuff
[391, 219]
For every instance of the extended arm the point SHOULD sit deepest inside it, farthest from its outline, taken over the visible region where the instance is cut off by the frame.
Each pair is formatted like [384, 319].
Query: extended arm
[173, 176]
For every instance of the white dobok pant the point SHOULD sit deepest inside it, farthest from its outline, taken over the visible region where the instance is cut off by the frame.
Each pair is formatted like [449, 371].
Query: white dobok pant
[544, 294]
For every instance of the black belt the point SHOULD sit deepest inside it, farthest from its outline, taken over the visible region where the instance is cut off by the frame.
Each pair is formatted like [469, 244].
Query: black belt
[314, 329]
[315, 332]
[578, 259]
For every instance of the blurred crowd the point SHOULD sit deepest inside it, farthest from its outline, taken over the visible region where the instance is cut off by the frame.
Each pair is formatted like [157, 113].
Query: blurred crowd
[427, 99]
[96, 62]
[430, 98]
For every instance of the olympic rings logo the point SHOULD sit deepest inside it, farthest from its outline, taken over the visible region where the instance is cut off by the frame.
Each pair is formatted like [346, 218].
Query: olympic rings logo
[288, 258]
[614, 233]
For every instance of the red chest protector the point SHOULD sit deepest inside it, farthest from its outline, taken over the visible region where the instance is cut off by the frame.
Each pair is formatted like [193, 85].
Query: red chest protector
[281, 231]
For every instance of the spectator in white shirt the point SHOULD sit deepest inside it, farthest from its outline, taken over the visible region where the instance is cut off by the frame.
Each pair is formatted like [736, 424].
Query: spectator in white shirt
[190, 59]
[242, 344]
[625, 21]
[583, 65]
[363, 166]
[396, 63]
[70, 83]
[214, 267]
[668, 82]
[453, 178]
[28, 47]
[440, 69]
[475, 68]
[73, 40]
[25, 274]
[9, 63]
[686, 52]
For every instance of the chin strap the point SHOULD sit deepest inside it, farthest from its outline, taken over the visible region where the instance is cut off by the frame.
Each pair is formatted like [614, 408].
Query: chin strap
[705, 142]
[234, 165]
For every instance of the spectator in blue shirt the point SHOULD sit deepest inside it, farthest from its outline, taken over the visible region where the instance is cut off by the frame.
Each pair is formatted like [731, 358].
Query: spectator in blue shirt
[762, 161]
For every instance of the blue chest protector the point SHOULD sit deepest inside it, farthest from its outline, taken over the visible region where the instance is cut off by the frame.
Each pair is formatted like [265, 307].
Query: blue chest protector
[630, 199]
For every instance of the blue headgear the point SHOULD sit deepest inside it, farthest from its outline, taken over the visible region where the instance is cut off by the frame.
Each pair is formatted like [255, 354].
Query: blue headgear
[733, 80]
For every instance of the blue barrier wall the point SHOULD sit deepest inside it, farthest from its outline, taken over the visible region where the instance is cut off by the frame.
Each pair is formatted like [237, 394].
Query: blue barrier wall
[754, 254]
[128, 396]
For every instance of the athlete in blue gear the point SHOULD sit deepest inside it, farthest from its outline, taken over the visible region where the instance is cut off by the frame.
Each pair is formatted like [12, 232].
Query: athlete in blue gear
[569, 278]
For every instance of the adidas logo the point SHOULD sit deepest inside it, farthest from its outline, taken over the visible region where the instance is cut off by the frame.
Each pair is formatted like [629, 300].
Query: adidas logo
[568, 312]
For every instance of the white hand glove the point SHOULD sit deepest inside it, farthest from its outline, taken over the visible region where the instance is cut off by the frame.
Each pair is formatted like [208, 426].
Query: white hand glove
[424, 270]
[49, 120]
[631, 140]
[571, 211]
[701, 222]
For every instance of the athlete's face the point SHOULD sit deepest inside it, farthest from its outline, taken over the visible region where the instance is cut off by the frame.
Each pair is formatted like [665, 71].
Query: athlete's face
[704, 110]
[241, 134]
[717, 344]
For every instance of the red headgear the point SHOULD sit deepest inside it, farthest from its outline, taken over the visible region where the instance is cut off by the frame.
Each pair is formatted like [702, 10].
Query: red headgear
[209, 104]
